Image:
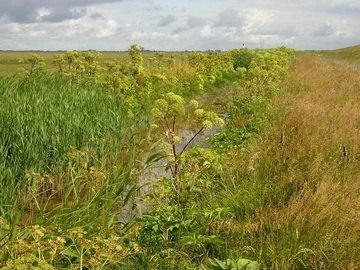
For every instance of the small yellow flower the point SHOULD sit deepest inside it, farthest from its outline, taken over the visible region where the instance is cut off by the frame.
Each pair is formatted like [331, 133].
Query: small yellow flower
[156, 113]
[194, 104]
[199, 113]
[177, 139]
[137, 248]
[207, 124]
[173, 98]
[219, 121]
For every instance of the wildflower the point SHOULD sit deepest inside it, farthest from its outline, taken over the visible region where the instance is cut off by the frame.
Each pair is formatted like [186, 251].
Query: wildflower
[137, 248]
[199, 113]
[78, 232]
[154, 126]
[207, 124]
[178, 109]
[194, 104]
[173, 98]
[176, 139]
[218, 121]
[161, 104]
[38, 231]
[156, 113]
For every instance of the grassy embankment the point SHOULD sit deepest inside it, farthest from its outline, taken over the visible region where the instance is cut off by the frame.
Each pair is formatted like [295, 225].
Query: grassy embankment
[307, 167]
[349, 55]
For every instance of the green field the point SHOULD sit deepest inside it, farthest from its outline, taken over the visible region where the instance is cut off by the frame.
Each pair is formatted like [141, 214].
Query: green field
[104, 165]
[349, 55]
[9, 60]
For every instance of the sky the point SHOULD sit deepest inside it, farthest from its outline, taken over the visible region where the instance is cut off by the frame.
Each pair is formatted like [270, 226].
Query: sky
[178, 25]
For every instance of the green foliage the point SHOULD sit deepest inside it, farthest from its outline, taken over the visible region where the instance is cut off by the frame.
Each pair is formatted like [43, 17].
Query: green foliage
[136, 59]
[242, 58]
[241, 264]
[28, 262]
[78, 67]
[118, 78]
[244, 122]
[210, 67]
[265, 71]
[201, 170]
[38, 133]
[66, 154]
[36, 64]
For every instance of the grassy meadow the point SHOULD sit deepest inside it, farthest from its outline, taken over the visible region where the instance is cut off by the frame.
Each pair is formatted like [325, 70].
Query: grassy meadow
[9, 60]
[276, 187]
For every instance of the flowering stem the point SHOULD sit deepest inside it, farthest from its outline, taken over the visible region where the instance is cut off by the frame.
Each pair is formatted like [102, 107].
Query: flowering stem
[193, 137]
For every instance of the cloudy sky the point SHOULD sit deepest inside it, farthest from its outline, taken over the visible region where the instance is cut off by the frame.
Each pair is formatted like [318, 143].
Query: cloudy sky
[174, 25]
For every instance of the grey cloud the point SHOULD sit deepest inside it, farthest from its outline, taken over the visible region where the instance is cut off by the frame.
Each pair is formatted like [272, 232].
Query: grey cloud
[25, 11]
[22, 13]
[230, 17]
[150, 6]
[193, 22]
[96, 16]
[166, 20]
[345, 8]
[179, 30]
[63, 14]
[323, 30]
[275, 29]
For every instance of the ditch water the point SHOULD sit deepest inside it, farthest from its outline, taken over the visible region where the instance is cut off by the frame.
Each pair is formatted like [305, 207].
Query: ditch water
[138, 207]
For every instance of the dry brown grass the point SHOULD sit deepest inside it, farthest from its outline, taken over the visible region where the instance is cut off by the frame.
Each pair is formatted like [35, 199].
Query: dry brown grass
[320, 121]
[323, 118]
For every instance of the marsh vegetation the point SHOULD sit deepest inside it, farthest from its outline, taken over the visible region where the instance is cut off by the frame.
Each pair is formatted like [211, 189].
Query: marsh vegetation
[275, 188]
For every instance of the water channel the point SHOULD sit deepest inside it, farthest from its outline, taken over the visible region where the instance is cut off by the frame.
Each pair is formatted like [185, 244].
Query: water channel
[158, 170]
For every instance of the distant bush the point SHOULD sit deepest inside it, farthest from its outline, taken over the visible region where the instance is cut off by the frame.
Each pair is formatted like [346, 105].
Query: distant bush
[242, 58]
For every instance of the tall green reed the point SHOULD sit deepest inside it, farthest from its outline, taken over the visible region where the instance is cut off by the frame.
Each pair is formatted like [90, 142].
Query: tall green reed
[44, 120]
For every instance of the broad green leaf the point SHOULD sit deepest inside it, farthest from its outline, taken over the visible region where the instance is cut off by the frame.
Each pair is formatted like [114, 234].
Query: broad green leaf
[71, 252]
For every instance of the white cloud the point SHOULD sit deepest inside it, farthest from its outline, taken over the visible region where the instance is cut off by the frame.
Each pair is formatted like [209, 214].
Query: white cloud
[138, 35]
[177, 25]
[142, 35]
[42, 12]
[206, 31]
[255, 18]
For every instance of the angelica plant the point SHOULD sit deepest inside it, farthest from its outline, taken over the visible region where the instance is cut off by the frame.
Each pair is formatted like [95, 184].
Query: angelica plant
[265, 72]
[167, 113]
[36, 63]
